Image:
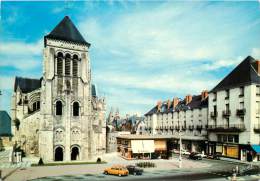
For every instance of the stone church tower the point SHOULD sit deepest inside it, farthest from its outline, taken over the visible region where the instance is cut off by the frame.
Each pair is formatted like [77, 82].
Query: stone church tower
[71, 117]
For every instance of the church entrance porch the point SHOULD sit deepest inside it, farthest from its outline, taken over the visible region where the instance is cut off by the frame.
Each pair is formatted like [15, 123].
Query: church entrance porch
[58, 154]
[74, 153]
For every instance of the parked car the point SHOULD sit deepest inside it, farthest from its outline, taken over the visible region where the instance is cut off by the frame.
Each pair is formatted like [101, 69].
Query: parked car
[134, 170]
[202, 155]
[215, 156]
[195, 156]
[185, 152]
[117, 170]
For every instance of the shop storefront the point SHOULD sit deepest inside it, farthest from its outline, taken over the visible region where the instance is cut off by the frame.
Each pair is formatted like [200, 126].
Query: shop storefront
[224, 149]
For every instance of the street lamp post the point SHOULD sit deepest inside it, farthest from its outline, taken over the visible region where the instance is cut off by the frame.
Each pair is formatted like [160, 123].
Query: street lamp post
[180, 159]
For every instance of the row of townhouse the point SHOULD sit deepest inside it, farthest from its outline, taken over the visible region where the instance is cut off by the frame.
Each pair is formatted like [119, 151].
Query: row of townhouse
[225, 120]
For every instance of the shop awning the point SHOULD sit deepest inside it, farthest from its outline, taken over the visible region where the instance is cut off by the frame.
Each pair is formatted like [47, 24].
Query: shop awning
[256, 148]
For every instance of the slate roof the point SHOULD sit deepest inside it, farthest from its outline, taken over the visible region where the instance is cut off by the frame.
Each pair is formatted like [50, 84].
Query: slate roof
[196, 103]
[5, 124]
[243, 74]
[26, 84]
[67, 31]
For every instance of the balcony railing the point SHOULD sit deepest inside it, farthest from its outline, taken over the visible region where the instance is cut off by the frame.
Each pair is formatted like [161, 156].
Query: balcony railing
[241, 112]
[177, 127]
[183, 127]
[213, 114]
[257, 128]
[226, 113]
[226, 127]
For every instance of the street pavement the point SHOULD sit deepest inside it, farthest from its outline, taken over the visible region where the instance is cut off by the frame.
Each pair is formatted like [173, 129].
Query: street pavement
[166, 170]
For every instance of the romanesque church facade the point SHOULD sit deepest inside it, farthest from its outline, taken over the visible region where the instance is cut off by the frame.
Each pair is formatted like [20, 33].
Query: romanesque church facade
[59, 117]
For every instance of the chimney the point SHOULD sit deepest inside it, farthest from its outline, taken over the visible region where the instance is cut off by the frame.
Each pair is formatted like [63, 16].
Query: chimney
[159, 106]
[188, 99]
[175, 102]
[257, 66]
[168, 104]
[204, 95]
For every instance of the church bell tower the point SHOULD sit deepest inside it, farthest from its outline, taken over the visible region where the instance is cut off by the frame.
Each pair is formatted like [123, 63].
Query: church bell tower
[66, 95]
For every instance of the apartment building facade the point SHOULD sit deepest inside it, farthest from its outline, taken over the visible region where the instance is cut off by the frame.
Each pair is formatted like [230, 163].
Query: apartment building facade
[187, 117]
[233, 120]
[226, 120]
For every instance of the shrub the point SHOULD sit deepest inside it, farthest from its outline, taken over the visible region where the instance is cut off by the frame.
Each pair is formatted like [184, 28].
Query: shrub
[146, 164]
[40, 162]
[98, 160]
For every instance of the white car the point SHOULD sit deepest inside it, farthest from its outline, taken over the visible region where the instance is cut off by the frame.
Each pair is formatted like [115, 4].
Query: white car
[185, 152]
[202, 155]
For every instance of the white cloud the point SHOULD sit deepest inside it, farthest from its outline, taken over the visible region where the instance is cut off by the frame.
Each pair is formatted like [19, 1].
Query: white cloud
[172, 48]
[21, 48]
[6, 82]
[222, 63]
[21, 55]
[179, 83]
[256, 53]
[166, 34]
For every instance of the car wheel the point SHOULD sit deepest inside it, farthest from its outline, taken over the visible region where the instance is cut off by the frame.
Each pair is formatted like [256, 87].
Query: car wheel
[105, 173]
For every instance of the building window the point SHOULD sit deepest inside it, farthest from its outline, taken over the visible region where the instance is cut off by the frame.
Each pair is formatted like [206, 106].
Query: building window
[241, 91]
[58, 108]
[241, 105]
[230, 138]
[75, 66]
[214, 96]
[236, 138]
[75, 109]
[59, 63]
[224, 137]
[258, 90]
[215, 109]
[227, 107]
[257, 107]
[67, 64]
[227, 94]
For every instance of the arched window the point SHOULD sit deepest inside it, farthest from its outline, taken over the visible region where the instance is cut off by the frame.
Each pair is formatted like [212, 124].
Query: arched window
[58, 108]
[67, 64]
[59, 63]
[75, 109]
[75, 65]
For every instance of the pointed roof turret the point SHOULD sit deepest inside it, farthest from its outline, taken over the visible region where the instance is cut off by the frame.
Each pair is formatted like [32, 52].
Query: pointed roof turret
[67, 31]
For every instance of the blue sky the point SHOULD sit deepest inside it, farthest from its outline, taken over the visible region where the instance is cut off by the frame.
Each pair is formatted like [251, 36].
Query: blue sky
[141, 52]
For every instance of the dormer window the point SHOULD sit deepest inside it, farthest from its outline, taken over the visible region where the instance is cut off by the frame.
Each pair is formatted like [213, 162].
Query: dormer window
[241, 91]
[214, 96]
[227, 94]
[258, 90]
